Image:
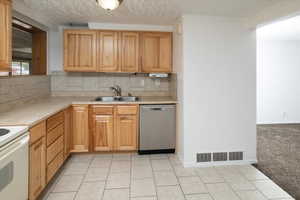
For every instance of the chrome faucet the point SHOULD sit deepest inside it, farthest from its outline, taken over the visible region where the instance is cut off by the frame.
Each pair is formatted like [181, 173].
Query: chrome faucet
[117, 90]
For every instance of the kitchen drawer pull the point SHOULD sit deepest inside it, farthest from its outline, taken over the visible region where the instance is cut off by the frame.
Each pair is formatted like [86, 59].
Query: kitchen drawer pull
[124, 118]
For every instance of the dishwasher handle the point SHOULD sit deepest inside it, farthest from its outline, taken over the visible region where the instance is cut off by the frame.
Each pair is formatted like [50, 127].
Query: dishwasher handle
[156, 109]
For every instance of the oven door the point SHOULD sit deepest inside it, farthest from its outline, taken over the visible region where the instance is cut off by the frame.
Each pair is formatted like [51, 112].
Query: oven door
[14, 170]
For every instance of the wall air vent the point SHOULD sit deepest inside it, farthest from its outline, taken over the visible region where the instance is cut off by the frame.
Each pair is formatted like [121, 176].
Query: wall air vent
[220, 156]
[236, 155]
[203, 157]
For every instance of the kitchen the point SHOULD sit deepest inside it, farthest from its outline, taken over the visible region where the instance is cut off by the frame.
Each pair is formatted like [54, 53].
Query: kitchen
[106, 108]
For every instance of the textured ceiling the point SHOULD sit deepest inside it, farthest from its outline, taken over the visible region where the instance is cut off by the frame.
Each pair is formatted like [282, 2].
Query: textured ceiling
[160, 12]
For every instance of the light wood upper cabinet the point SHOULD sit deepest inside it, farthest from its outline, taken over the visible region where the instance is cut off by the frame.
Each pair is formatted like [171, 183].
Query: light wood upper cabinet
[156, 52]
[37, 160]
[117, 51]
[107, 51]
[5, 35]
[80, 136]
[129, 51]
[126, 133]
[80, 50]
[103, 132]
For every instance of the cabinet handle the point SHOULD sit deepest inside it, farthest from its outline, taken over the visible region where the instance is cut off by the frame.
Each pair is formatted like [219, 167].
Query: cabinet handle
[124, 118]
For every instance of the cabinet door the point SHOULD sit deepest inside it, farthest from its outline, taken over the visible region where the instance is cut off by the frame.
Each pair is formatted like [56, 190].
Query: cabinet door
[129, 52]
[126, 133]
[80, 50]
[80, 133]
[37, 173]
[107, 52]
[5, 35]
[156, 52]
[103, 132]
[67, 132]
[39, 53]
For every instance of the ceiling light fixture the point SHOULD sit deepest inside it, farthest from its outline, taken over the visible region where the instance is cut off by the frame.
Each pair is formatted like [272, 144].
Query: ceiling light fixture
[109, 4]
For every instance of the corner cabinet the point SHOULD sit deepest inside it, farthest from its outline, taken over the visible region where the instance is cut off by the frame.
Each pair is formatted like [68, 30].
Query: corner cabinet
[117, 51]
[5, 35]
[80, 50]
[156, 52]
[67, 132]
[80, 132]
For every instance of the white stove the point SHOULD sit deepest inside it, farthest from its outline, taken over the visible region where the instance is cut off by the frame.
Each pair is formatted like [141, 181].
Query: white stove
[14, 150]
[9, 133]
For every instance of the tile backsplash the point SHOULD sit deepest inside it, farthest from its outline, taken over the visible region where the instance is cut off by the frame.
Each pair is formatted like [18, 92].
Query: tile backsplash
[15, 91]
[98, 84]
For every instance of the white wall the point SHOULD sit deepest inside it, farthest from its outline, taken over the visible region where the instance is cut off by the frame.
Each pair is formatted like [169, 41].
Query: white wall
[219, 97]
[278, 70]
[55, 50]
[178, 69]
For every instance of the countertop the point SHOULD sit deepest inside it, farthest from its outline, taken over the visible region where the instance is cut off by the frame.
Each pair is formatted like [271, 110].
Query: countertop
[33, 113]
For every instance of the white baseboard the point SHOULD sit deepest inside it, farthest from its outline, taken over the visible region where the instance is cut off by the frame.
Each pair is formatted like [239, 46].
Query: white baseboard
[211, 164]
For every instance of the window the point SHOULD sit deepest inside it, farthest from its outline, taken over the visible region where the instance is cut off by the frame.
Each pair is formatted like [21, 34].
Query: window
[29, 49]
[20, 68]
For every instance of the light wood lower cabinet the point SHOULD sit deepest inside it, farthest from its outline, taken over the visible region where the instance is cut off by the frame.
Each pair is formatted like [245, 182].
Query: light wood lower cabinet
[114, 128]
[68, 132]
[49, 147]
[37, 160]
[55, 143]
[80, 133]
[126, 133]
[103, 132]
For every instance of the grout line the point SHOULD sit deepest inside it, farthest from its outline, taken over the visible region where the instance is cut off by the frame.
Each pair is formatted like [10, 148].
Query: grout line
[82, 181]
[105, 182]
[154, 179]
[184, 196]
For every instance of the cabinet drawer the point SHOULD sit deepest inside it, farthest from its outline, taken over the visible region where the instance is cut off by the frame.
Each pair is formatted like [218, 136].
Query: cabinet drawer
[54, 134]
[37, 132]
[103, 110]
[54, 149]
[127, 110]
[55, 120]
[54, 166]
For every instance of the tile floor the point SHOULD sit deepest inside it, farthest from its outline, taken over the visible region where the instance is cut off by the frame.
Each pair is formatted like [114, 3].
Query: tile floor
[157, 177]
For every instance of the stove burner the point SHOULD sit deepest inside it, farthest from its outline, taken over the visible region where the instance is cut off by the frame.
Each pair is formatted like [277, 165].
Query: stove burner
[3, 132]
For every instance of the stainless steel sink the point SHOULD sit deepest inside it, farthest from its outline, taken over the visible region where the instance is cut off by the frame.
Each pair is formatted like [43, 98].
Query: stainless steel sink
[118, 99]
[129, 99]
[106, 99]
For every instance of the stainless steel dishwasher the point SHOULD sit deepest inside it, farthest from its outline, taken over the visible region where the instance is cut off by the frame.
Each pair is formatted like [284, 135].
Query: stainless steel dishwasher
[157, 129]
